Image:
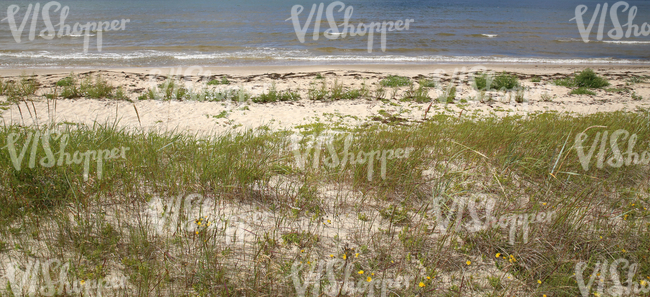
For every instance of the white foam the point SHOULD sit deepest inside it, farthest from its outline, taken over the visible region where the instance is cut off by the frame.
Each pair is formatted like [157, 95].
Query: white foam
[626, 42]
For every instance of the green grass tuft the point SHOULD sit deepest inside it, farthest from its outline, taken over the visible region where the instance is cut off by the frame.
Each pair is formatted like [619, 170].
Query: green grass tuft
[395, 81]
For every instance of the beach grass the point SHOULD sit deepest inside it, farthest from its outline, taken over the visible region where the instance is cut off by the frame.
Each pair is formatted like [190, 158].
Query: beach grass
[384, 226]
[395, 81]
[586, 78]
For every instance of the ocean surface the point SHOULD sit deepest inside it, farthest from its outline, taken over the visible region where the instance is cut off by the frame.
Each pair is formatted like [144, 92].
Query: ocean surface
[257, 32]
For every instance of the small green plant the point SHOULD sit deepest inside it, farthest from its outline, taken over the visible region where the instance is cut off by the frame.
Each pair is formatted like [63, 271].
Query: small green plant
[421, 94]
[393, 93]
[182, 93]
[636, 79]
[546, 97]
[536, 79]
[120, 94]
[615, 90]
[427, 83]
[380, 92]
[505, 81]
[242, 95]
[394, 214]
[319, 76]
[274, 95]
[582, 91]
[99, 88]
[395, 81]
[449, 95]
[70, 92]
[223, 81]
[482, 81]
[336, 92]
[564, 82]
[519, 95]
[301, 239]
[495, 282]
[636, 97]
[585, 79]
[221, 115]
[66, 81]
[352, 94]
[317, 93]
[589, 79]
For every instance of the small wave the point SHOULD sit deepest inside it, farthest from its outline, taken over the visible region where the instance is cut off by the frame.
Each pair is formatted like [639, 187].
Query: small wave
[569, 40]
[482, 35]
[264, 55]
[604, 41]
[626, 42]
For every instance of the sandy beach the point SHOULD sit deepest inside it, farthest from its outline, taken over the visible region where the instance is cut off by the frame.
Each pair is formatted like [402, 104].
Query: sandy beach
[193, 116]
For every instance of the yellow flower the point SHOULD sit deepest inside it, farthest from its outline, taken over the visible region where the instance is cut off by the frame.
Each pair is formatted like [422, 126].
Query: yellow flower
[197, 232]
[421, 285]
[199, 223]
[82, 281]
[539, 281]
[372, 273]
[428, 277]
[498, 254]
[356, 255]
[302, 251]
[544, 203]
[345, 256]
[369, 279]
[360, 271]
[468, 262]
[544, 295]
[624, 250]
[329, 222]
[643, 283]
[331, 256]
[596, 294]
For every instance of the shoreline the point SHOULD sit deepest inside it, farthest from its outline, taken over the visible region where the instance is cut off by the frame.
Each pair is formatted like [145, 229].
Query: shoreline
[403, 69]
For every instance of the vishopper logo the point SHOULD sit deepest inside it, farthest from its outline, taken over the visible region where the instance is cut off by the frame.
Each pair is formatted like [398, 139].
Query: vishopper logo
[51, 159]
[349, 156]
[345, 285]
[194, 214]
[617, 33]
[334, 33]
[64, 30]
[50, 277]
[616, 288]
[618, 158]
[458, 206]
